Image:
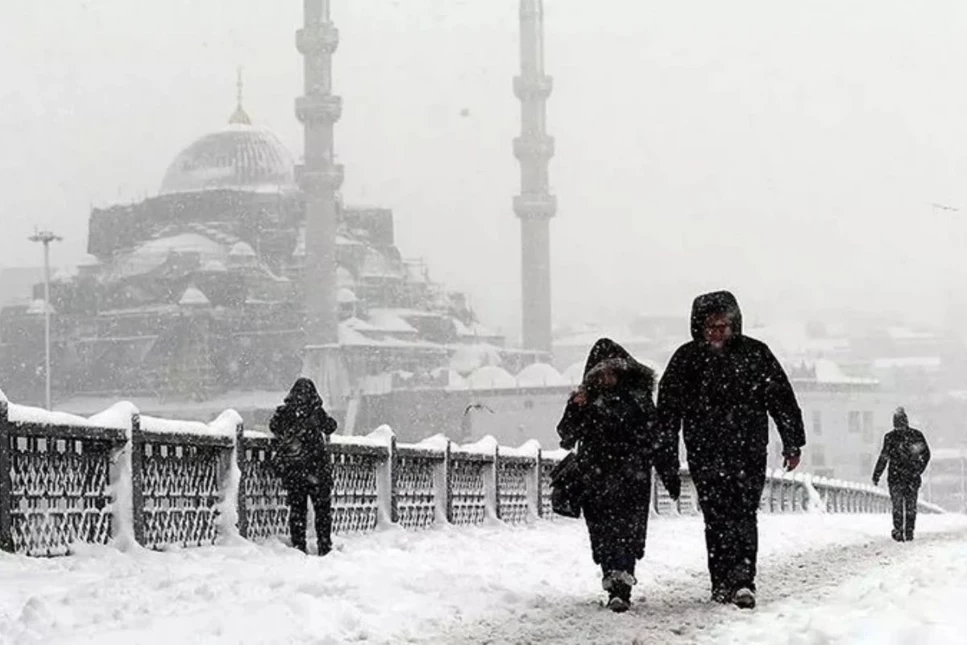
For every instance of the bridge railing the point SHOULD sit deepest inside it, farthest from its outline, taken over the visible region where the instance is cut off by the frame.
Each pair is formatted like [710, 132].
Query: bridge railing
[135, 480]
[794, 492]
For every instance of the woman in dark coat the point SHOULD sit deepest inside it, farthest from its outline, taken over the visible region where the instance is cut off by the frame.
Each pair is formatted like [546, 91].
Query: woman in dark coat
[301, 459]
[611, 419]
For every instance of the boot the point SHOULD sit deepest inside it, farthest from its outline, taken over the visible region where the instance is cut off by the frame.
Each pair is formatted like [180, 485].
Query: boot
[618, 584]
[744, 598]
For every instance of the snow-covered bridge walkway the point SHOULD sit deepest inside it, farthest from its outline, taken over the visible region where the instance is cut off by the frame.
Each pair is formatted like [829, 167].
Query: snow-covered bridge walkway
[824, 579]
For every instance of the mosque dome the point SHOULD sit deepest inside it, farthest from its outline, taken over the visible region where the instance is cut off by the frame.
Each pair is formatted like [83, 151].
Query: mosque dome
[242, 156]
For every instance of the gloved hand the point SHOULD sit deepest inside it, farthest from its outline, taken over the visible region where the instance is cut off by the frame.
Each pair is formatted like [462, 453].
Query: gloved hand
[790, 463]
[791, 458]
[876, 482]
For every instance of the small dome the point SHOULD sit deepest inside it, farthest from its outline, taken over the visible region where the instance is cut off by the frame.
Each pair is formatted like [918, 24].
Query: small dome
[240, 157]
[491, 377]
[574, 374]
[192, 297]
[241, 250]
[540, 375]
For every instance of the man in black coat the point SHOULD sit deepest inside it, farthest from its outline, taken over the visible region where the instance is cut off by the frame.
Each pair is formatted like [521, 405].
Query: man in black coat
[908, 454]
[301, 459]
[720, 389]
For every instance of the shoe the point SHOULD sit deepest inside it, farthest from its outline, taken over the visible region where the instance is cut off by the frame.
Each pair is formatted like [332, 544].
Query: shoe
[744, 598]
[618, 605]
[897, 535]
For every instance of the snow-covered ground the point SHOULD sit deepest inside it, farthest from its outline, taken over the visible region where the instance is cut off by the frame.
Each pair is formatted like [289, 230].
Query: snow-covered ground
[823, 579]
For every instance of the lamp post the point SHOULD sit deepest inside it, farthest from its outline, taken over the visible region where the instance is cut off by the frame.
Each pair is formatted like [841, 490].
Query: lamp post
[46, 237]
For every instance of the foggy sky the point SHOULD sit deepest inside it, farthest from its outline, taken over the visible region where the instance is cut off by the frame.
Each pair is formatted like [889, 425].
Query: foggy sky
[790, 151]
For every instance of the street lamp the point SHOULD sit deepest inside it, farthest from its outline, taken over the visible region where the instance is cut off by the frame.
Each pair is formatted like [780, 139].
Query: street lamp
[46, 237]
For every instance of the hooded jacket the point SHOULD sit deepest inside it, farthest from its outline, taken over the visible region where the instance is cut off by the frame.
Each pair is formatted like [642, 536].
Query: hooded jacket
[300, 426]
[722, 399]
[907, 452]
[615, 427]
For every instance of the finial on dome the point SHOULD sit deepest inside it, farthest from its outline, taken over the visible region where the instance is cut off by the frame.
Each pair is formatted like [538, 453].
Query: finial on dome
[239, 117]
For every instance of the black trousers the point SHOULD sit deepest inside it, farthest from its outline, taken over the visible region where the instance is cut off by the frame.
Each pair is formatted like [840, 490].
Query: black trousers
[299, 493]
[729, 497]
[904, 498]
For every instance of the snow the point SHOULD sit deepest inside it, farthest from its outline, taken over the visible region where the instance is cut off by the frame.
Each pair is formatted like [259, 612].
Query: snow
[227, 422]
[918, 598]
[823, 579]
[27, 414]
[485, 446]
[170, 426]
[529, 448]
[122, 516]
[386, 320]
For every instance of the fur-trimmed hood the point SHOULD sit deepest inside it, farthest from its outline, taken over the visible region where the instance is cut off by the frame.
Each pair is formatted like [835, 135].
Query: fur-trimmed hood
[609, 355]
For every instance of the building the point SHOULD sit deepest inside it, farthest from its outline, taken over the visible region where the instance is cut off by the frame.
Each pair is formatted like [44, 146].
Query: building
[197, 291]
[945, 482]
[845, 418]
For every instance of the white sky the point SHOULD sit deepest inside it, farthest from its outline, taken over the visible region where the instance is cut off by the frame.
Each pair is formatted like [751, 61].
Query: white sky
[789, 151]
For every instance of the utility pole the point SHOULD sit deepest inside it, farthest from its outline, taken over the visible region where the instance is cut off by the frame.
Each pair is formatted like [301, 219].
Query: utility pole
[46, 237]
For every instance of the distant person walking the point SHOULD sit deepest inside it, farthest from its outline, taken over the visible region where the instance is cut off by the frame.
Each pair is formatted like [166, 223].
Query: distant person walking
[301, 459]
[907, 452]
[719, 389]
[611, 421]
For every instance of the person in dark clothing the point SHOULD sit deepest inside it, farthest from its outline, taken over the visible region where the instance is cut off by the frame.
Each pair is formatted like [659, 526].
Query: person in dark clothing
[719, 390]
[301, 459]
[908, 454]
[610, 418]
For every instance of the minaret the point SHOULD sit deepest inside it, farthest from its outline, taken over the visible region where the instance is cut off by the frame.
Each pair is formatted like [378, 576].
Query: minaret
[318, 110]
[535, 206]
[239, 116]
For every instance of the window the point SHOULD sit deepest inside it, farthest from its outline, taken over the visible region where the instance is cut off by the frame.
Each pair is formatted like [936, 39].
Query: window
[817, 455]
[854, 422]
[817, 423]
[868, 427]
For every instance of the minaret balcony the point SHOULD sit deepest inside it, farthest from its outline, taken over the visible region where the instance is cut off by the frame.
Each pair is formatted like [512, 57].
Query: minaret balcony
[533, 87]
[534, 147]
[322, 38]
[325, 108]
[322, 180]
[539, 206]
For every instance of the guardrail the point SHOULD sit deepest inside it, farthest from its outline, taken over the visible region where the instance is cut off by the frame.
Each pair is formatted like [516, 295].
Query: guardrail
[126, 479]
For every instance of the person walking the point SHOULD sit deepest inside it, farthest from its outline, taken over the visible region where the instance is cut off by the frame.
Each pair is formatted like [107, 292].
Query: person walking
[719, 390]
[610, 419]
[906, 451]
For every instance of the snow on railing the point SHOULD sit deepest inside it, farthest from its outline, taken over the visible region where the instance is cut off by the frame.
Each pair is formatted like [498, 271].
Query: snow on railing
[136, 481]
